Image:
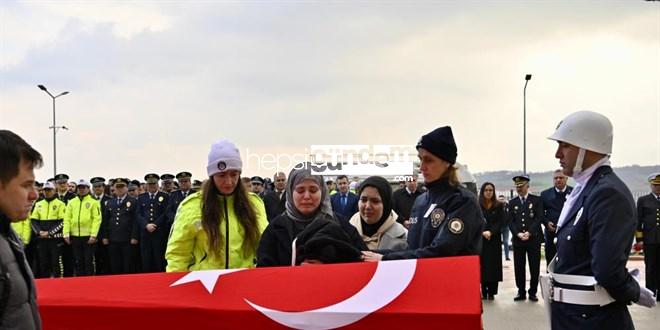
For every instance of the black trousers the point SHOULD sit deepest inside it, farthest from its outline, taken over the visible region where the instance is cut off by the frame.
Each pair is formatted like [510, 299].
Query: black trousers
[489, 288]
[67, 260]
[136, 259]
[83, 254]
[651, 261]
[50, 257]
[531, 252]
[120, 257]
[152, 249]
[101, 260]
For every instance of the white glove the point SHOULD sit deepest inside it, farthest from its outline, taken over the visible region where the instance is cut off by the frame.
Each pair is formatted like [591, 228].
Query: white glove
[646, 297]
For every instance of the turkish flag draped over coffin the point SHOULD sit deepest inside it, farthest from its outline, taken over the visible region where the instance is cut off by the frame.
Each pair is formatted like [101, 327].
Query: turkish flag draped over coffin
[410, 294]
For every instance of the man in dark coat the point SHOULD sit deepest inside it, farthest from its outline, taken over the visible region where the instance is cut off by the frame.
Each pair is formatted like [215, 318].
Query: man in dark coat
[553, 201]
[121, 218]
[594, 233]
[403, 200]
[153, 225]
[648, 232]
[526, 214]
[275, 201]
[18, 299]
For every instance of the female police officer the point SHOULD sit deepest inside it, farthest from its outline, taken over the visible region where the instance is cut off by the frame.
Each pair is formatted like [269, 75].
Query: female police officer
[446, 220]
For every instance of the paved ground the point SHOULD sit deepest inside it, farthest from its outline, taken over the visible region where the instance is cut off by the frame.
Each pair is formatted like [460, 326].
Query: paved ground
[503, 313]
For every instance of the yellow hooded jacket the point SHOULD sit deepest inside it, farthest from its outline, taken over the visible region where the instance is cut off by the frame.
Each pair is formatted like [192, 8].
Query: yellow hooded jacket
[187, 247]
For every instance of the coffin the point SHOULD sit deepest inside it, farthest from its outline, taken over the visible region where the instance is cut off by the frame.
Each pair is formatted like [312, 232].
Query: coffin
[404, 294]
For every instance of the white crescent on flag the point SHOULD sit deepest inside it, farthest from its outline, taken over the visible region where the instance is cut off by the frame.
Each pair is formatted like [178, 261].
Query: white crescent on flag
[388, 282]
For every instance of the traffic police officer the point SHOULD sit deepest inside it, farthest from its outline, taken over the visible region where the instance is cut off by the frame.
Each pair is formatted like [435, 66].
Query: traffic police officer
[525, 215]
[153, 225]
[81, 227]
[591, 286]
[446, 220]
[648, 232]
[47, 218]
[121, 231]
[63, 194]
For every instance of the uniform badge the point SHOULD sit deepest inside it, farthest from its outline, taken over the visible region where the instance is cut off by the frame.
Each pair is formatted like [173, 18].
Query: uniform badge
[531, 206]
[515, 207]
[437, 216]
[54, 207]
[87, 205]
[106, 203]
[222, 166]
[128, 204]
[160, 199]
[456, 226]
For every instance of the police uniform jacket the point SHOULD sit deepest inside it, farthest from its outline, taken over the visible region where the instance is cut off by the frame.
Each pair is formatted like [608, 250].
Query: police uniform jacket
[175, 198]
[446, 221]
[595, 241]
[121, 220]
[48, 216]
[526, 217]
[648, 218]
[153, 211]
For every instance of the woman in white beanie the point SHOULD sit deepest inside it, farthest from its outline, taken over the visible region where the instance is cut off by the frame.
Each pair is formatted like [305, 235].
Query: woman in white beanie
[220, 226]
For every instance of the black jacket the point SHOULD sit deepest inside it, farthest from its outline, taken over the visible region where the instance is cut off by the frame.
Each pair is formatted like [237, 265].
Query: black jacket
[526, 217]
[402, 203]
[491, 252]
[175, 198]
[648, 218]
[445, 221]
[275, 245]
[153, 211]
[595, 241]
[274, 205]
[553, 202]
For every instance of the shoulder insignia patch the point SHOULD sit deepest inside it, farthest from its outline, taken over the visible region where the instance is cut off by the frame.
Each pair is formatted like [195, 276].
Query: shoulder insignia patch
[456, 226]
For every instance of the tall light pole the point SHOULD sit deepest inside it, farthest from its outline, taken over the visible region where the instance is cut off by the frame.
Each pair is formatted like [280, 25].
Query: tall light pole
[54, 127]
[527, 78]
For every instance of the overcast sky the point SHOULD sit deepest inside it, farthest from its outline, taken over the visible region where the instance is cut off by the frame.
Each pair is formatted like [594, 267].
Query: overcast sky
[153, 84]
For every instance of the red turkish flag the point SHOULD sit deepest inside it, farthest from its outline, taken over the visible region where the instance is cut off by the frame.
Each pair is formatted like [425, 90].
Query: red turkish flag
[410, 294]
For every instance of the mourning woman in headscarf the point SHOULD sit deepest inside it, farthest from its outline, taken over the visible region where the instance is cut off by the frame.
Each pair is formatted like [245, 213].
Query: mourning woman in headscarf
[307, 211]
[375, 219]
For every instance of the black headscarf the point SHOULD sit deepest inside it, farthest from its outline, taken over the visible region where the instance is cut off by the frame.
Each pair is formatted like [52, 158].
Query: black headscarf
[385, 192]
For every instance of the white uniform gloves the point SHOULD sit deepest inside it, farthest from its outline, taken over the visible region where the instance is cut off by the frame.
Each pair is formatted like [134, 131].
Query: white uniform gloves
[646, 297]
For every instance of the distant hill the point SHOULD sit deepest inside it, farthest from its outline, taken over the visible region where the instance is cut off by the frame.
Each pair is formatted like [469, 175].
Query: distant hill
[634, 176]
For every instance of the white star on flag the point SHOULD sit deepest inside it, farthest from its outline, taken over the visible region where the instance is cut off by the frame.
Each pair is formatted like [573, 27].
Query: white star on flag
[208, 277]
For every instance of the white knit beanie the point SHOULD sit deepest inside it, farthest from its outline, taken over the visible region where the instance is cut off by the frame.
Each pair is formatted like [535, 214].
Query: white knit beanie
[224, 156]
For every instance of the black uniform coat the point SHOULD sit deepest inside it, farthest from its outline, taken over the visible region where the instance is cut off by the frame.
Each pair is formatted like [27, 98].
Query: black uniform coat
[595, 241]
[445, 221]
[121, 220]
[526, 217]
[175, 198]
[648, 218]
[153, 211]
[491, 252]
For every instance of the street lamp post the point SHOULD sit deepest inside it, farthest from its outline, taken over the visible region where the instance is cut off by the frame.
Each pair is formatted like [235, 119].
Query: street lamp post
[527, 78]
[54, 127]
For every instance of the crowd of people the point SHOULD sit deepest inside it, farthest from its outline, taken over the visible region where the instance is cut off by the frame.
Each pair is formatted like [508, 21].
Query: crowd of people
[172, 223]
